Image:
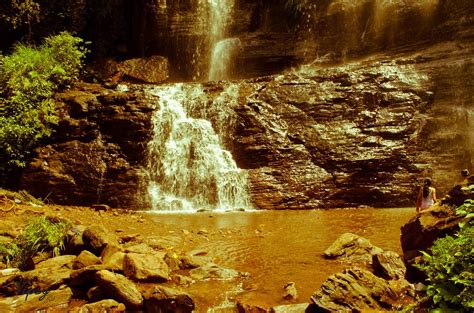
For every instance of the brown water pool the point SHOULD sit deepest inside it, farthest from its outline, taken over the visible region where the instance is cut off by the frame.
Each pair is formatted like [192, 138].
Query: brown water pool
[277, 247]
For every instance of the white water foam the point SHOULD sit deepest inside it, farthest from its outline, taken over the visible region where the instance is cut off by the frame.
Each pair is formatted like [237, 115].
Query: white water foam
[188, 168]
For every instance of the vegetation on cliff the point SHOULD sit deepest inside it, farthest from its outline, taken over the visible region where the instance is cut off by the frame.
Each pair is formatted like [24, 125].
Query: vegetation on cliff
[449, 267]
[28, 79]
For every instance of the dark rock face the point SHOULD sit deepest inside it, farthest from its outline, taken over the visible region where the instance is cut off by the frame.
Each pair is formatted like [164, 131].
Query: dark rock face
[97, 151]
[335, 29]
[342, 136]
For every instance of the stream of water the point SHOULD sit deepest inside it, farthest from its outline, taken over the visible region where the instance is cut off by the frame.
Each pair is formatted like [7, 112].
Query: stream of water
[277, 247]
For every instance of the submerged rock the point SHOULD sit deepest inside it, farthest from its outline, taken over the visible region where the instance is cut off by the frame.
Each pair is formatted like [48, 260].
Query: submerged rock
[213, 271]
[289, 291]
[352, 247]
[168, 300]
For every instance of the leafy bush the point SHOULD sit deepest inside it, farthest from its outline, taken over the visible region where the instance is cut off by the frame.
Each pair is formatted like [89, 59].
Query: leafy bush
[40, 234]
[28, 79]
[450, 267]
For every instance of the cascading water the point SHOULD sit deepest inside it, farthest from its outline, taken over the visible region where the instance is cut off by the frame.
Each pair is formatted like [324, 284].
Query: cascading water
[187, 166]
[221, 59]
[222, 49]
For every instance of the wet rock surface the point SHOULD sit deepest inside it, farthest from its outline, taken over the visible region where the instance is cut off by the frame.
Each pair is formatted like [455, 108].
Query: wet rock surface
[97, 150]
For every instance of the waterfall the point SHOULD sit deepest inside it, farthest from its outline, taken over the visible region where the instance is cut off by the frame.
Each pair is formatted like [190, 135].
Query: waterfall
[222, 49]
[222, 57]
[187, 166]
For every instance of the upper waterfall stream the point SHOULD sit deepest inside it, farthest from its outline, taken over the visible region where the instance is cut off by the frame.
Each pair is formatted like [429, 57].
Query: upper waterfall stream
[188, 167]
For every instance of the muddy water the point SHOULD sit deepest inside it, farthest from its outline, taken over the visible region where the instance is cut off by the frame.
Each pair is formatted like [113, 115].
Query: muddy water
[277, 247]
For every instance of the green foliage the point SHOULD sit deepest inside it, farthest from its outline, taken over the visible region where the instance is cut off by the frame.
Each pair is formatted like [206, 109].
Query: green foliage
[40, 234]
[28, 79]
[19, 12]
[450, 267]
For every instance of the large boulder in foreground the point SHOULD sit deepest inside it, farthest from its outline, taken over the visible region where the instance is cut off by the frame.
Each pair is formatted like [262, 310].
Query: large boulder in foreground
[145, 267]
[358, 289]
[46, 301]
[119, 288]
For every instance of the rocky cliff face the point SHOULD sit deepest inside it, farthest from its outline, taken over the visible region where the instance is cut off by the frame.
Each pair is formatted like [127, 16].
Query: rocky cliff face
[354, 133]
[97, 152]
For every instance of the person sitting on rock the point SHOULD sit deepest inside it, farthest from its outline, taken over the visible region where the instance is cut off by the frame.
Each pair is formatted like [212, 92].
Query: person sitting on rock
[426, 196]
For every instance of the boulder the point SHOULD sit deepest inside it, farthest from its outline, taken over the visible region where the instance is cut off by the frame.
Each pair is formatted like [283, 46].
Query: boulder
[388, 265]
[103, 306]
[59, 262]
[141, 248]
[145, 267]
[50, 301]
[96, 238]
[152, 70]
[112, 256]
[352, 247]
[168, 300]
[84, 259]
[34, 280]
[119, 288]
[357, 289]
[85, 276]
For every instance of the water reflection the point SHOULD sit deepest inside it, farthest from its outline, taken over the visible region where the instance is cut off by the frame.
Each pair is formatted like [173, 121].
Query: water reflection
[277, 247]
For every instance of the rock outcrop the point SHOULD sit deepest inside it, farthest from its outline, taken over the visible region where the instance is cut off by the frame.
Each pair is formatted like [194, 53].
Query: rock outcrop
[421, 231]
[97, 152]
[357, 290]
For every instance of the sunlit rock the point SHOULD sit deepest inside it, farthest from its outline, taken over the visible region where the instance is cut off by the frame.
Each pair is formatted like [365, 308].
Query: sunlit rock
[358, 289]
[101, 306]
[119, 288]
[353, 248]
[145, 267]
[85, 258]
